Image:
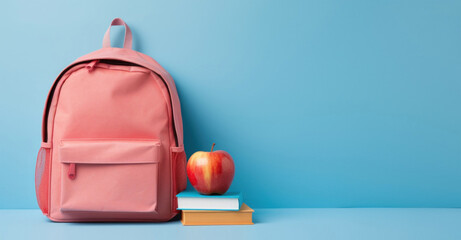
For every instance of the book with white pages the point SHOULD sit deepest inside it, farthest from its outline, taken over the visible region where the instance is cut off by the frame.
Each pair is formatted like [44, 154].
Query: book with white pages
[191, 200]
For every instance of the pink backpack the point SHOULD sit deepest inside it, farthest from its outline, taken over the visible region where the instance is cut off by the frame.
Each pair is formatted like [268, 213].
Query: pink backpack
[112, 140]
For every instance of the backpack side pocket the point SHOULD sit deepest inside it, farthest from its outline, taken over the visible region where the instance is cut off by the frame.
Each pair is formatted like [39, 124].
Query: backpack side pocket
[42, 178]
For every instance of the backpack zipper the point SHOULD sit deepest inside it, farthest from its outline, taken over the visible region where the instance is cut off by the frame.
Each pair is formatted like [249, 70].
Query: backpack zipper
[90, 66]
[72, 172]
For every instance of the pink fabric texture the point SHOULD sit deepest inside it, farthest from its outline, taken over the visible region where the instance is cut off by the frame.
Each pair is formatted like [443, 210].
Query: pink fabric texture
[112, 130]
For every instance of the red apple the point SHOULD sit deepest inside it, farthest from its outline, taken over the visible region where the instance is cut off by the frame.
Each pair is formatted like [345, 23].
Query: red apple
[211, 172]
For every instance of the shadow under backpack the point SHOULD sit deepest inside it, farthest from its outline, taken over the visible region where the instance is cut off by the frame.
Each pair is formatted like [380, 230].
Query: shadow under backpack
[112, 140]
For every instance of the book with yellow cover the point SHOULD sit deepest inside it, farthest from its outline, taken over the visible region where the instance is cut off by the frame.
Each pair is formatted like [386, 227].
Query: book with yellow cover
[204, 217]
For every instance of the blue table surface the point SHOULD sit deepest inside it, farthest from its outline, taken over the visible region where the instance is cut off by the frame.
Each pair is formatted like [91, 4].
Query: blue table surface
[307, 223]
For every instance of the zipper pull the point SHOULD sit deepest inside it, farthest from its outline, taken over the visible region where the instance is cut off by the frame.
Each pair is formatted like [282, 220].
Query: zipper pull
[72, 171]
[90, 66]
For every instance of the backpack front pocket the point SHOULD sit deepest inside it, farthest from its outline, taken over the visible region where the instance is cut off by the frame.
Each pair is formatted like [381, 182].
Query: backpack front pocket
[109, 175]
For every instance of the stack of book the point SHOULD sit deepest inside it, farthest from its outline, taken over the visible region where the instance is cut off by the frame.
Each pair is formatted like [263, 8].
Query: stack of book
[226, 209]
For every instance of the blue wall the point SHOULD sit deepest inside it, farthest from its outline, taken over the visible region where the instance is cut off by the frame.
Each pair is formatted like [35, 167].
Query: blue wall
[321, 103]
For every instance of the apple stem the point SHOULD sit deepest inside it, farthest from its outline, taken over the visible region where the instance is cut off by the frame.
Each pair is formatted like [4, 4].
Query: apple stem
[212, 146]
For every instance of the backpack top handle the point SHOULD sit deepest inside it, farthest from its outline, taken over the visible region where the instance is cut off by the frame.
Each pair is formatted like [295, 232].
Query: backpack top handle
[128, 41]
